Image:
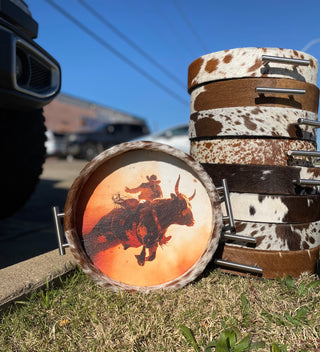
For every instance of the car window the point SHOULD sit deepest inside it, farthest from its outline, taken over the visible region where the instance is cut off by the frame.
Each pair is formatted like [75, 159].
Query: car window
[180, 131]
[136, 129]
[124, 129]
[111, 129]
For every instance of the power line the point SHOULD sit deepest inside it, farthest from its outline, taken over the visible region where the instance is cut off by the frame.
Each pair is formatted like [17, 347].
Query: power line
[181, 38]
[131, 43]
[153, 27]
[117, 53]
[195, 33]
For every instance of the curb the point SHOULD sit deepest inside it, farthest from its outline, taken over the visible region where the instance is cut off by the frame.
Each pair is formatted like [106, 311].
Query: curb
[22, 278]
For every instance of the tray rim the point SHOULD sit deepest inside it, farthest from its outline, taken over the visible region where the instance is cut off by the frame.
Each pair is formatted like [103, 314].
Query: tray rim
[71, 207]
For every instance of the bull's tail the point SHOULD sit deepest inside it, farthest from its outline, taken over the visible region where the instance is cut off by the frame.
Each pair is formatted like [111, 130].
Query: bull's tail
[95, 243]
[100, 238]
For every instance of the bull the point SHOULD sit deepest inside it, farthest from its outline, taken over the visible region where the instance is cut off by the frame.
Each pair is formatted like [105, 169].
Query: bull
[137, 224]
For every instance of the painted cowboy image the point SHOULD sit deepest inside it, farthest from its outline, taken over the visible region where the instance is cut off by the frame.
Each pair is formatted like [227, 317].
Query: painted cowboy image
[141, 223]
[136, 209]
[148, 190]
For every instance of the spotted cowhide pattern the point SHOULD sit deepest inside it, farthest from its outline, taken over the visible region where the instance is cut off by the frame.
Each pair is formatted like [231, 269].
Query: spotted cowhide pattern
[247, 62]
[242, 92]
[250, 151]
[264, 179]
[84, 183]
[252, 121]
[274, 208]
[279, 237]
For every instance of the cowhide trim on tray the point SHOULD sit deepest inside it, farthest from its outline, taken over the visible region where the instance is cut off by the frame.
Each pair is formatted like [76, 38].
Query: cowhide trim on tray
[250, 151]
[247, 62]
[252, 121]
[266, 179]
[274, 263]
[104, 163]
[279, 237]
[242, 92]
[274, 209]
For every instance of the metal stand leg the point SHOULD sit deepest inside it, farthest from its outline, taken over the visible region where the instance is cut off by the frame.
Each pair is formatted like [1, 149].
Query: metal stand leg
[56, 218]
[237, 266]
[308, 154]
[229, 233]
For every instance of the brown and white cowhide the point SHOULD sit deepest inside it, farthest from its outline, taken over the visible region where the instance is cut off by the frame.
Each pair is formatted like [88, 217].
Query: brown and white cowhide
[252, 121]
[279, 237]
[251, 151]
[143, 216]
[274, 208]
[265, 179]
[247, 62]
[242, 92]
[274, 263]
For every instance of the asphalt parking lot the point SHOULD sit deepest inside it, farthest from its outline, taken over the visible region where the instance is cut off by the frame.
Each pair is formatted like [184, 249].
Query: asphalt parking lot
[30, 232]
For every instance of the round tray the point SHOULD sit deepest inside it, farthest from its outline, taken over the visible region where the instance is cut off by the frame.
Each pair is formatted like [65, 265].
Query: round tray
[280, 209]
[251, 151]
[264, 121]
[249, 62]
[274, 263]
[279, 237]
[143, 216]
[242, 92]
[264, 179]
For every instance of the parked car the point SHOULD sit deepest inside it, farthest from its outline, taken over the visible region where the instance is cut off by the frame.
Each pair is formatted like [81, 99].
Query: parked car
[55, 143]
[177, 137]
[89, 144]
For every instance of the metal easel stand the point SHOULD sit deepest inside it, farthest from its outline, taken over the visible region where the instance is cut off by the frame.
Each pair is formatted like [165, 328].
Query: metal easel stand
[229, 233]
[308, 154]
[59, 231]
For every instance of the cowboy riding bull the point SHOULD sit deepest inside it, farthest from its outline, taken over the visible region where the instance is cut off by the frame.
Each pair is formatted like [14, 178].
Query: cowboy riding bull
[136, 224]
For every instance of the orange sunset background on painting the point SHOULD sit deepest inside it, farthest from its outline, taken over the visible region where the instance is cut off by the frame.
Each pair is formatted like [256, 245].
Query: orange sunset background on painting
[187, 243]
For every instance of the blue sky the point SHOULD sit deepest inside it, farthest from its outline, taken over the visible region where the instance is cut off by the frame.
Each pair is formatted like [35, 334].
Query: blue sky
[171, 32]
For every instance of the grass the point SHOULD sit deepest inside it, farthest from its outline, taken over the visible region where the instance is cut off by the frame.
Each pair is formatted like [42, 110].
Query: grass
[218, 311]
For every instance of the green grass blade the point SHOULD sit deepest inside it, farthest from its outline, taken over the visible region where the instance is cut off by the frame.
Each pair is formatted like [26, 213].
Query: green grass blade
[275, 348]
[210, 346]
[278, 348]
[245, 310]
[243, 345]
[257, 345]
[313, 284]
[188, 334]
[289, 282]
[227, 340]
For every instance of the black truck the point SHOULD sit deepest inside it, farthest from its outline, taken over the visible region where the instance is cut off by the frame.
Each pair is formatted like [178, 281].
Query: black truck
[29, 79]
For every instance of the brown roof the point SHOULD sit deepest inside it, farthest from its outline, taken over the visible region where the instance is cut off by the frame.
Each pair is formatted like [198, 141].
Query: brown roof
[69, 114]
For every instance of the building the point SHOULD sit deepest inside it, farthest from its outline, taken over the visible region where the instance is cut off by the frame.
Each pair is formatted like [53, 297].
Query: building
[67, 114]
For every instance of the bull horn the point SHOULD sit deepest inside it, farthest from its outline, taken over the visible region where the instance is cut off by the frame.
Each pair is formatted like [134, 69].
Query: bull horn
[194, 193]
[176, 187]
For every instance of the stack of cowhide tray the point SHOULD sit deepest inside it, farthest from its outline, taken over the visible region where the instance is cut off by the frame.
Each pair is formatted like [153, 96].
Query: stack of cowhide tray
[254, 119]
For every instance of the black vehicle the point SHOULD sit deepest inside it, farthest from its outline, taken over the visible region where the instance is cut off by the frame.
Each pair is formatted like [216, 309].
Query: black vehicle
[89, 144]
[29, 79]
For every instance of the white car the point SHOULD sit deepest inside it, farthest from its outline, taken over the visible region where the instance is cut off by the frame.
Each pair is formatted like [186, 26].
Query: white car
[55, 144]
[177, 137]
